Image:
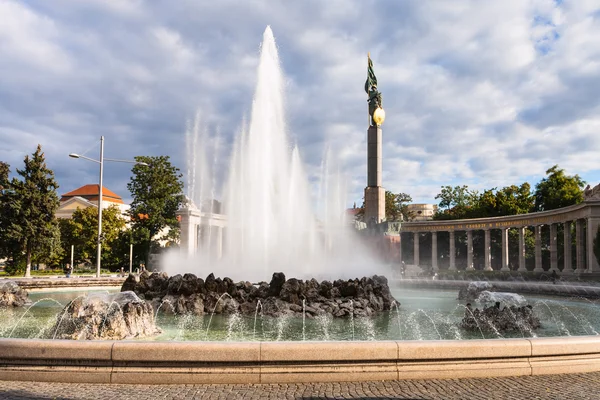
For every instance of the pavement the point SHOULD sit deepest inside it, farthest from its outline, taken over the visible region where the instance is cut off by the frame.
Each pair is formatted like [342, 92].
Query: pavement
[559, 387]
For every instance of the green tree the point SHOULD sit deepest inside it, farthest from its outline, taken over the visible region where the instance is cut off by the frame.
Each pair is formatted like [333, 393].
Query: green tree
[8, 247]
[396, 206]
[558, 190]
[157, 191]
[455, 202]
[32, 205]
[82, 232]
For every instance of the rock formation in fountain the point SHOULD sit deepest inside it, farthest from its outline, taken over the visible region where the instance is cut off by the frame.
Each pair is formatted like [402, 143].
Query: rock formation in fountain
[473, 289]
[12, 295]
[497, 319]
[189, 294]
[111, 317]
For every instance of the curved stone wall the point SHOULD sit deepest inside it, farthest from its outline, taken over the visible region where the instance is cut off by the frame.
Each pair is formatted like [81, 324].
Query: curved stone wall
[279, 362]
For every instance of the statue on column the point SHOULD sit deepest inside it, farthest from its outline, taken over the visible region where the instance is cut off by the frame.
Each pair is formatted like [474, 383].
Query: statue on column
[375, 99]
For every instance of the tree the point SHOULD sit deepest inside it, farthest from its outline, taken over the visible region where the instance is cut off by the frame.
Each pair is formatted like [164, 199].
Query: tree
[396, 206]
[82, 232]
[558, 190]
[32, 205]
[157, 191]
[455, 202]
[8, 247]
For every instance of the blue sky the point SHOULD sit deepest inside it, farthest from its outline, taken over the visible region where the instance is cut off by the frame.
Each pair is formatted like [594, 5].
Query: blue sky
[479, 93]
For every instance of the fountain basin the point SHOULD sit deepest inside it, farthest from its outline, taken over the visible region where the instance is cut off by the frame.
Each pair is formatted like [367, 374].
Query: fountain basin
[289, 362]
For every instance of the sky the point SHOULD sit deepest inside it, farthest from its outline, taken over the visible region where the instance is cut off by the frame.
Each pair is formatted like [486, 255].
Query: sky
[479, 93]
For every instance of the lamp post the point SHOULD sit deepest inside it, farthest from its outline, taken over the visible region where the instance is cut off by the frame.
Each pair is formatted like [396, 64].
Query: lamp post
[101, 162]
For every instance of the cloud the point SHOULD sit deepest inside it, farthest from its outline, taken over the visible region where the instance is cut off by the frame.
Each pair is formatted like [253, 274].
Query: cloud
[485, 94]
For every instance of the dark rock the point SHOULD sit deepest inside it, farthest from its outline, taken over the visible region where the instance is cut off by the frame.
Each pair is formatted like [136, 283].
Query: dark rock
[276, 284]
[497, 319]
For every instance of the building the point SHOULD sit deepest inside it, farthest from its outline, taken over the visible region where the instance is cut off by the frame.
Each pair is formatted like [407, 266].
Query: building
[421, 212]
[87, 196]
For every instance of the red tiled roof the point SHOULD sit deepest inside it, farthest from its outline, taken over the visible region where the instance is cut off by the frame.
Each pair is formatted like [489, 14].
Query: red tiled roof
[91, 192]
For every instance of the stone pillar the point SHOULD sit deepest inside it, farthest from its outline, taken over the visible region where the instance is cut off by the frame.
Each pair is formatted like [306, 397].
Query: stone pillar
[505, 250]
[538, 249]
[374, 193]
[568, 248]
[522, 249]
[400, 250]
[470, 249]
[452, 266]
[579, 245]
[487, 261]
[416, 248]
[592, 231]
[553, 249]
[188, 231]
[434, 251]
[219, 242]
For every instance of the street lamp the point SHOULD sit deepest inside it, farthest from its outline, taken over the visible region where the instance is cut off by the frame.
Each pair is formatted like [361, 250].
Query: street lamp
[101, 162]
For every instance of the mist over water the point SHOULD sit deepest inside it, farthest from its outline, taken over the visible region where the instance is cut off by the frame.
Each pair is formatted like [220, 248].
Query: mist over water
[272, 223]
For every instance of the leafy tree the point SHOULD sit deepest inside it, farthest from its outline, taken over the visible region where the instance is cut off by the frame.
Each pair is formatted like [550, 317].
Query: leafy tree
[396, 205]
[455, 202]
[32, 206]
[82, 232]
[4, 172]
[558, 190]
[157, 191]
[8, 247]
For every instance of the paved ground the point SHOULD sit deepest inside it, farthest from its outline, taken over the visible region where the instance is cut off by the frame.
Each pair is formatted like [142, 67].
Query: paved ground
[559, 387]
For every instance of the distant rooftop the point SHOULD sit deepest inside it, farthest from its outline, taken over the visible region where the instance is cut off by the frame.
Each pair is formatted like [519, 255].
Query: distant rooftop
[91, 193]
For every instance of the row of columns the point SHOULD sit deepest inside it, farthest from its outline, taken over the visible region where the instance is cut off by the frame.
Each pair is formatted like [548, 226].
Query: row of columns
[592, 225]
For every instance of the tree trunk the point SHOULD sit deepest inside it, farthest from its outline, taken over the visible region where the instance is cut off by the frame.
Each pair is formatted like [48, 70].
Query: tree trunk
[28, 267]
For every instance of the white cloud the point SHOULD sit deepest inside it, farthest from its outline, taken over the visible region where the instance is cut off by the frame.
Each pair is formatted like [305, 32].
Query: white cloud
[479, 93]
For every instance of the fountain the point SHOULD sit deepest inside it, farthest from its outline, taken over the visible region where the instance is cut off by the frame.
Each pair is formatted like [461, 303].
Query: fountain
[219, 338]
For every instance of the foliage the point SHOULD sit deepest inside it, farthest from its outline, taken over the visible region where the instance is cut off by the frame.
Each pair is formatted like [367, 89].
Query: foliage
[32, 203]
[396, 206]
[157, 191]
[82, 232]
[558, 190]
[455, 202]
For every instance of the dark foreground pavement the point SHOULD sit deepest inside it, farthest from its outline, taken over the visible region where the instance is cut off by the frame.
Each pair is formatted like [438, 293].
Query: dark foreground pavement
[560, 387]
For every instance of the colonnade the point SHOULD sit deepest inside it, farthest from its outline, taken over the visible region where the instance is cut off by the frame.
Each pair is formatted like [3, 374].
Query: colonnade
[585, 232]
[202, 230]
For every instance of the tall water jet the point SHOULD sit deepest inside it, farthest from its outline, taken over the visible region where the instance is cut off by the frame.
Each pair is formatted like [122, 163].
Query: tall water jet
[272, 223]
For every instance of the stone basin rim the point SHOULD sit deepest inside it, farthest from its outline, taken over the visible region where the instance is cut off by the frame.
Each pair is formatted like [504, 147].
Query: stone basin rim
[141, 362]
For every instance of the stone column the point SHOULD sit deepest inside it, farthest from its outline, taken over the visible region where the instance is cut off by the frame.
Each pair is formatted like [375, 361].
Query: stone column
[416, 248]
[452, 266]
[434, 251]
[568, 248]
[470, 249]
[487, 261]
[505, 250]
[579, 245]
[538, 249]
[522, 249]
[592, 231]
[400, 250]
[553, 250]
[374, 193]
[188, 232]
[219, 242]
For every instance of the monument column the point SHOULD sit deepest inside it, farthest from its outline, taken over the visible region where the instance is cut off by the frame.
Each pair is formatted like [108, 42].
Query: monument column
[400, 249]
[505, 250]
[538, 249]
[374, 192]
[469, 249]
[553, 249]
[452, 266]
[522, 249]
[579, 245]
[591, 232]
[416, 248]
[568, 248]
[434, 251]
[487, 263]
